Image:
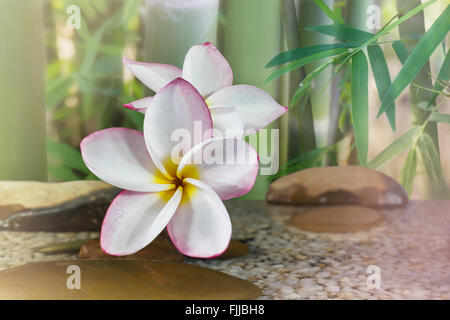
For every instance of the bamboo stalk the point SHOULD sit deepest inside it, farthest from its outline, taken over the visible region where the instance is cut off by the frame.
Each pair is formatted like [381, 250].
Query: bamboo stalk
[414, 28]
[310, 15]
[300, 118]
[251, 39]
[356, 13]
[173, 26]
[22, 91]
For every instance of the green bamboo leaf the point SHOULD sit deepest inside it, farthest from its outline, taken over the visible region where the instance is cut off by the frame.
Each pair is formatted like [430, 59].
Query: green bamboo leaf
[382, 77]
[398, 145]
[303, 87]
[440, 117]
[432, 164]
[303, 52]
[333, 15]
[304, 61]
[62, 173]
[360, 105]
[68, 156]
[57, 90]
[409, 171]
[389, 26]
[418, 57]
[92, 46]
[303, 161]
[343, 32]
[400, 50]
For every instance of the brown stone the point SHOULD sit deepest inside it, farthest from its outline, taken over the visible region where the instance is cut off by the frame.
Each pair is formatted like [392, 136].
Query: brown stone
[63, 207]
[70, 247]
[337, 219]
[109, 279]
[349, 185]
[160, 249]
[236, 249]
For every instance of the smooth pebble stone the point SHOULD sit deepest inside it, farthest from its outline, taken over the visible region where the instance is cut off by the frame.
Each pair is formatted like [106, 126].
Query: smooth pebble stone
[159, 249]
[337, 219]
[54, 207]
[62, 247]
[109, 279]
[349, 185]
[236, 249]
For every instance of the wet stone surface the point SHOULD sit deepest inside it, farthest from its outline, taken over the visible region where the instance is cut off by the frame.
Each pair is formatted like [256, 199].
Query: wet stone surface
[108, 279]
[411, 248]
[348, 185]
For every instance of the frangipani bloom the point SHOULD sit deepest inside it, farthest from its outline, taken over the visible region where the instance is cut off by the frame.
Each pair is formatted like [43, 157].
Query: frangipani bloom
[239, 107]
[185, 196]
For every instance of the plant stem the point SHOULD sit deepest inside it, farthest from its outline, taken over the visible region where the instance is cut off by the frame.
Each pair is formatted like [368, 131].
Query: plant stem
[414, 28]
[301, 136]
[22, 91]
[251, 38]
[311, 15]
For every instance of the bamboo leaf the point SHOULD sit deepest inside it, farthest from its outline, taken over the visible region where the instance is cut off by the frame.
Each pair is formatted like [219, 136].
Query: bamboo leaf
[418, 57]
[303, 87]
[388, 27]
[299, 53]
[305, 160]
[398, 145]
[409, 171]
[360, 105]
[432, 164]
[67, 155]
[440, 117]
[382, 78]
[400, 50]
[343, 32]
[304, 61]
[333, 15]
[62, 173]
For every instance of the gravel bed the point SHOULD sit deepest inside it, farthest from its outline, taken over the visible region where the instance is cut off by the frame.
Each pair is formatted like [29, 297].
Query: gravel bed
[411, 249]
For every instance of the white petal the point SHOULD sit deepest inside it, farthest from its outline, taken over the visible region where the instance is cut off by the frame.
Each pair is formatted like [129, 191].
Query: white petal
[255, 106]
[201, 226]
[135, 219]
[228, 165]
[178, 119]
[226, 122]
[140, 105]
[153, 75]
[119, 156]
[207, 69]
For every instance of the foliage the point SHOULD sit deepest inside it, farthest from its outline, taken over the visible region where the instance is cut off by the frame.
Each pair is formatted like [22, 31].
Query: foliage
[85, 91]
[351, 53]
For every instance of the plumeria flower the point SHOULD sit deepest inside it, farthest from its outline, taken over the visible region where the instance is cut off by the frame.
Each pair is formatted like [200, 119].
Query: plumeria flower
[238, 108]
[186, 195]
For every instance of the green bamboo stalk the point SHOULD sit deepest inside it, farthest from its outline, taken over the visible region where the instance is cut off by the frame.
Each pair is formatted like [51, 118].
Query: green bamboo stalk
[356, 13]
[300, 118]
[173, 26]
[251, 39]
[356, 16]
[22, 91]
[310, 15]
[414, 28]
